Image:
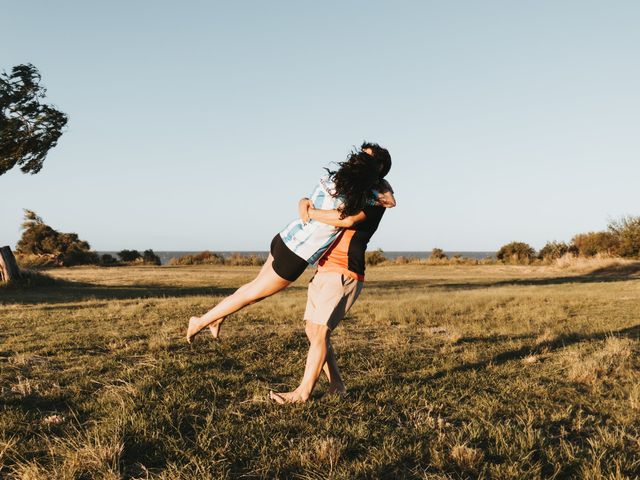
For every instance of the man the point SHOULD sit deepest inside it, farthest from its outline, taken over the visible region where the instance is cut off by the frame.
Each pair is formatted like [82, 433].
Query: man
[337, 284]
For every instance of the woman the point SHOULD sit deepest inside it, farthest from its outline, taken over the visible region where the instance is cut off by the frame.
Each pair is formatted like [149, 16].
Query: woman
[301, 243]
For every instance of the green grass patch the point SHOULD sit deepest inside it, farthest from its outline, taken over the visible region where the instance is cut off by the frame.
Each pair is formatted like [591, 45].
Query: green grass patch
[453, 372]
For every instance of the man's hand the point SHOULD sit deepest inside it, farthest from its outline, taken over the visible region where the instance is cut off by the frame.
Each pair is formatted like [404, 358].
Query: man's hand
[386, 199]
[303, 209]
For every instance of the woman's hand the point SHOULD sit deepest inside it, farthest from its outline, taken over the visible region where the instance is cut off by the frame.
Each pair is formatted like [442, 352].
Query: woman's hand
[303, 209]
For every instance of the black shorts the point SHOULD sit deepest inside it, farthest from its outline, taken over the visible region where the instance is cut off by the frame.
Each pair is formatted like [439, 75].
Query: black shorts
[286, 263]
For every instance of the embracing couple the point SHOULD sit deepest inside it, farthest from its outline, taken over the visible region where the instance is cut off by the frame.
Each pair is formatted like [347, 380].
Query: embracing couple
[332, 233]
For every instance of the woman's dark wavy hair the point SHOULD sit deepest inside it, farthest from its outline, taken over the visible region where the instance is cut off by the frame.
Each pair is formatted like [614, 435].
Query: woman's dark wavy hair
[354, 180]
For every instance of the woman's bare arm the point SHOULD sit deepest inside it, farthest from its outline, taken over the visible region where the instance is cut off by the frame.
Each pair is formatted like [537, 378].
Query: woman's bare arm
[330, 217]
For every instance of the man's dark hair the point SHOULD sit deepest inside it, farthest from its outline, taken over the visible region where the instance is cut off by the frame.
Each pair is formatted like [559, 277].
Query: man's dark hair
[354, 181]
[381, 154]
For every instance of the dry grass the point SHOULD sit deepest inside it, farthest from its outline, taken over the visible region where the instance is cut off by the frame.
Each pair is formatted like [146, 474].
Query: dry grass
[454, 372]
[468, 459]
[606, 361]
[581, 264]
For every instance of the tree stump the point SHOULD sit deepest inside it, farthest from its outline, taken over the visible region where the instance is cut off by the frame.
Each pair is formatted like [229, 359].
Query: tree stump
[8, 267]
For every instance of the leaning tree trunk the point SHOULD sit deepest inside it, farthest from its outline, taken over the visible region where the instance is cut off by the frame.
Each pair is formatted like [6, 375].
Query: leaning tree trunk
[8, 267]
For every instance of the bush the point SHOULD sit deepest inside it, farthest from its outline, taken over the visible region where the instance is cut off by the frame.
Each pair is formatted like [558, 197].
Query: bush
[107, 260]
[150, 258]
[516, 252]
[129, 256]
[39, 239]
[437, 254]
[28, 260]
[210, 258]
[202, 258]
[402, 260]
[237, 259]
[627, 234]
[487, 261]
[593, 243]
[460, 260]
[554, 250]
[374, 258]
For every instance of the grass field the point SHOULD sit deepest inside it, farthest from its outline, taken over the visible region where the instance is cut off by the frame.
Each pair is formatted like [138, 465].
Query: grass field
[453, 372]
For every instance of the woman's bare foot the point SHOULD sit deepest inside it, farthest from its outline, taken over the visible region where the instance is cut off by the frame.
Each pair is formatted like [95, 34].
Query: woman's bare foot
[215, 328]
[286, 397]
[193, 328]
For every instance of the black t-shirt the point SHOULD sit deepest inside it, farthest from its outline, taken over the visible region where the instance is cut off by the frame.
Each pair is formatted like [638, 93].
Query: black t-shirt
[360, 239]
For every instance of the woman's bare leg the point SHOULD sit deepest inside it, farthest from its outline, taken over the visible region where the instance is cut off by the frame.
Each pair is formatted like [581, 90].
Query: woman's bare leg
[214, 327]
[264, 285]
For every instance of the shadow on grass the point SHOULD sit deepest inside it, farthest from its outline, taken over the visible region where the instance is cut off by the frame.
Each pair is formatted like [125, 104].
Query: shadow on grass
[619, 273]
[64, 291]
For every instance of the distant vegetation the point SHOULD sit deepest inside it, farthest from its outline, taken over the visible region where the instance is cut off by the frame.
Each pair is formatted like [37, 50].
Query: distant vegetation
[621, 239]
[41, 245]
[438, 254]
[210, 258]
[148, 257]
[554, 250]
[375, 258]
[516, 252]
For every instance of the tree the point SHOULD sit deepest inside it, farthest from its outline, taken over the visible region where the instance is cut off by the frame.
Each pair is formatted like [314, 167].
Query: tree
[38, 238]
[28, 127]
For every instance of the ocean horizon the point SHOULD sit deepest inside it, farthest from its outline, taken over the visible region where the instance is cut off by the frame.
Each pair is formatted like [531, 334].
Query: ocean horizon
[167, 255]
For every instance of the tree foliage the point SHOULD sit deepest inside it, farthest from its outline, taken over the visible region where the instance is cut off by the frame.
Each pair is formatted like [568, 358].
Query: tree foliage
[28, 127]
[626, 230]
[38, 238]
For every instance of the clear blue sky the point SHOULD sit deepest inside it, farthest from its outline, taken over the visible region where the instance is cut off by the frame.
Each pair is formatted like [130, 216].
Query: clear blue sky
[198, 124]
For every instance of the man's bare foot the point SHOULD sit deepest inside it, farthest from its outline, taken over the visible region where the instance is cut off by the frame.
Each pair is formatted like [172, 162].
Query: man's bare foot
[341, 391]
[214, 328]
[193, 328]
[286, 397]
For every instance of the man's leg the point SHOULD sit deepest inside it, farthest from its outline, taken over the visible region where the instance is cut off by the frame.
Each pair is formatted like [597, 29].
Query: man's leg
[318, 339]
[331, 370]
[330, 296]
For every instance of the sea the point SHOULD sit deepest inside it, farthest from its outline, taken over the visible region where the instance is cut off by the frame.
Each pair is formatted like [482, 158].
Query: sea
[165, 256]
